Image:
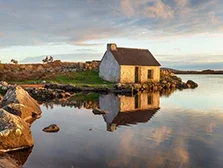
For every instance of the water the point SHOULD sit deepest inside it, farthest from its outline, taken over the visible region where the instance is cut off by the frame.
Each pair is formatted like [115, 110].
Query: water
[182, 130]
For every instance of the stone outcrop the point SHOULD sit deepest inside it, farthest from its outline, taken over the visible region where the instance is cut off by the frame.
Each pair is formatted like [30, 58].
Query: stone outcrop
[14, 132]
[191, 84]
[51, 128]
[18, 102]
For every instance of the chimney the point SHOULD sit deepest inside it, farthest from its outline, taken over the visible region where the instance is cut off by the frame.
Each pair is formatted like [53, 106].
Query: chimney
[111, 47]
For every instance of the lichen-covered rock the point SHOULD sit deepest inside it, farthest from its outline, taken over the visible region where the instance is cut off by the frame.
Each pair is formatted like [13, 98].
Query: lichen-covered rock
[18, 102]
[14, 132]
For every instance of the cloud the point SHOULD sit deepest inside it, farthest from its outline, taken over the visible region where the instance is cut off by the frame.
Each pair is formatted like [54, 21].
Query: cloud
[212, 17]
[161, 134]
[86, 22]
[159, 10]
[127, 8]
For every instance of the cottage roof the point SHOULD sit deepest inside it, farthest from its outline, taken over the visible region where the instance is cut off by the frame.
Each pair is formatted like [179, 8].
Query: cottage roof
[133, 56]
[133, 117]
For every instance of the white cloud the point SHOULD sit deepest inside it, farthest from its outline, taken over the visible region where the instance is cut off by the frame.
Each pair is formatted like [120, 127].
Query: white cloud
[159, 10]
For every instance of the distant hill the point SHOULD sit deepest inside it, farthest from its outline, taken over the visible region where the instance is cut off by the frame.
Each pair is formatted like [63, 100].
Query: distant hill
[206, 71]
[82, 57]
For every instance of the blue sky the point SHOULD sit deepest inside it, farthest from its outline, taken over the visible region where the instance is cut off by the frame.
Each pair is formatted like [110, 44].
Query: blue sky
[183, 34]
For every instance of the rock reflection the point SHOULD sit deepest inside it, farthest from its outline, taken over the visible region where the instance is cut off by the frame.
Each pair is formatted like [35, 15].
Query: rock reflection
[125, 110]
[15, 158]
[87, 101]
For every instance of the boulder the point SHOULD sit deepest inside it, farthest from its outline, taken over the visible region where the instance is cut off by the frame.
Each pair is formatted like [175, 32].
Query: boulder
[98, 111]
[18, 102]
[192, 84]
[14, 132]
[51, 128]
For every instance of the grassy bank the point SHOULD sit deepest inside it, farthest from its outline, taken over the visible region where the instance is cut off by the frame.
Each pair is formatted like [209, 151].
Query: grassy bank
[90, 78]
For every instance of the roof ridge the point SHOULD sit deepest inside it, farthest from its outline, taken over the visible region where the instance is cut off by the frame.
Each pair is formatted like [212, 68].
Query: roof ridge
[132, 48]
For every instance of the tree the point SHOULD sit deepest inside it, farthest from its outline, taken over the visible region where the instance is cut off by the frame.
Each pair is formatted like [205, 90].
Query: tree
[51, 59]
[46, 60]
[14, 61]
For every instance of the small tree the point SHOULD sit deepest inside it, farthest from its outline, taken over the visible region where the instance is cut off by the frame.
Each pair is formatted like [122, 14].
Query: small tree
[14, 61]
[46, 60]
[51, 59]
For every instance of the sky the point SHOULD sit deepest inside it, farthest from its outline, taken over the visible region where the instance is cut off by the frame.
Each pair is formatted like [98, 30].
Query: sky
[182, 34]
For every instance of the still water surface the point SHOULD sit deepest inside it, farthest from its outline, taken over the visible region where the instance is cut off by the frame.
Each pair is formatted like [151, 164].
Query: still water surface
[184, 129]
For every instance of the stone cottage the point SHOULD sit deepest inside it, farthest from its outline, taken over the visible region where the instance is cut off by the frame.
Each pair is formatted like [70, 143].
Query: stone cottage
[129, 65]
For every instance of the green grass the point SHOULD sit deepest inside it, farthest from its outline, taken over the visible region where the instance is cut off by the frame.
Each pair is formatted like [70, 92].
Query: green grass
[90, 78]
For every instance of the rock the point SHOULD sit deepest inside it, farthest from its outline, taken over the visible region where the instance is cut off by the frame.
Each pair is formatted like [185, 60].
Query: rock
[98, 111]
[18, 102]
[1, 98]
[3, 83]
[192, 84]
[51, 128]
[14, 132]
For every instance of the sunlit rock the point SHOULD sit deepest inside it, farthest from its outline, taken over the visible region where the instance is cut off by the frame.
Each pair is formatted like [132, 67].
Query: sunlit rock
[18, 102]
[14, 132]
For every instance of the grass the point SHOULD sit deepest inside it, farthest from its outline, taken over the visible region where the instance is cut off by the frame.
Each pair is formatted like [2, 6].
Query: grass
[89, 78]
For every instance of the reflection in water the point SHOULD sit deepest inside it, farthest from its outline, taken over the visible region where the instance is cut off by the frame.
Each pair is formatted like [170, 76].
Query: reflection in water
[186, 132]
[124, 110]
[17, 158]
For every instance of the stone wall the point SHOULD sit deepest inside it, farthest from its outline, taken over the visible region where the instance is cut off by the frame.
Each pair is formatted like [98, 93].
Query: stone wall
[43, 71]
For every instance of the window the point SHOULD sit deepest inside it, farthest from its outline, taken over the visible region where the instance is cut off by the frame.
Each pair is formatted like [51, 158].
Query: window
[150, 74]
[150, 99]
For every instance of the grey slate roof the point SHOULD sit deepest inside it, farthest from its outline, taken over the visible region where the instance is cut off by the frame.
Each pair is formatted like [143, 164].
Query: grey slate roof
[132, 56]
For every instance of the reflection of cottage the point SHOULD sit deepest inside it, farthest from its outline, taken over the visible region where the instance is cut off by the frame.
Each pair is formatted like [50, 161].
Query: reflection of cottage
[124, 110]
[129, 65]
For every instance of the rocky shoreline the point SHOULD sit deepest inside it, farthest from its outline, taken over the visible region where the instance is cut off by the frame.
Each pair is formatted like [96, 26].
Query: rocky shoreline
[17, 112]
[19, 107]
[168, 82]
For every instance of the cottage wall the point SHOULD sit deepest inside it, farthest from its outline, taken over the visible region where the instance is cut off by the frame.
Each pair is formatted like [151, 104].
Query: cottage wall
[109, 68]
[144, 73]
[127, 74]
